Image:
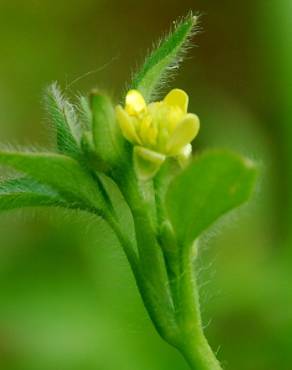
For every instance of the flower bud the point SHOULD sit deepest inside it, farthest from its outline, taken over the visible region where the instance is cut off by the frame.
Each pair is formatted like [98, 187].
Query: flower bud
[107, 138]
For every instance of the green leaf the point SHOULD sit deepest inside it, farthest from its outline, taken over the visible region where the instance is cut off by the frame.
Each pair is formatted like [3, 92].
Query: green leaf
[120, 207]
[108, 140]
[62, 173]
[212, 185]
[165, 58]
[85, 113]
[64, 119]
[25, 192]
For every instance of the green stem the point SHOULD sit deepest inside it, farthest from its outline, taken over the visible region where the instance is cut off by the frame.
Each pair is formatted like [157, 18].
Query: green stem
[194, 345]
[199, 355]
[126, 245]
[167, 286]
[151, 276]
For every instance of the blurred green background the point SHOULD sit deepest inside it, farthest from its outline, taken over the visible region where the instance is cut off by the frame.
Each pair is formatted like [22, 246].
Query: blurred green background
[68, 300]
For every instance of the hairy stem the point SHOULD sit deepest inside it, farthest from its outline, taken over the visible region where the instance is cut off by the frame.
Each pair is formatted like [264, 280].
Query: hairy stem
[167, 284]
[199, 355]
[151, 276]
[194, 345]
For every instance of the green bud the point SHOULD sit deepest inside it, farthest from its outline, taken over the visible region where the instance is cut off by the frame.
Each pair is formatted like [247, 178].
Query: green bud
[108, 141]
[93, 160]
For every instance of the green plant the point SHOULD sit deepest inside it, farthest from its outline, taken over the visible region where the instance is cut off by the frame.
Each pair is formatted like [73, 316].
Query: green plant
[131, 166]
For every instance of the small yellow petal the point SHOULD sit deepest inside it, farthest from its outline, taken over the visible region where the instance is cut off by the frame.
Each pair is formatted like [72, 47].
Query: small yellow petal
[126, 125]
[135, 103]
[184, 133]
[184, 155]
[177, 98]
[144, 126]
[150, 155]
[152, 135]
[162, 139]
[147, 162]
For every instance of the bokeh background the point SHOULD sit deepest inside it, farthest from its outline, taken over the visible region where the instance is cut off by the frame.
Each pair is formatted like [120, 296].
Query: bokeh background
[67, 297]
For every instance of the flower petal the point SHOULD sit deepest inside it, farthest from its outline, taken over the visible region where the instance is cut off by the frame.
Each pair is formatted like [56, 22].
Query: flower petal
[184, 133]
[177, 98]
[147, 162]
[135, 103]
[127, 126]
[144, 127]
[184, 155]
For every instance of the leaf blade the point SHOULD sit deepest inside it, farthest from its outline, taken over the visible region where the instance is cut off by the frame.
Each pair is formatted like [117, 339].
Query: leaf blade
[64, 119]
[84, 112]
[212, 185]
[165, 58]
[62, 173]
[120, 206]
[25, 192]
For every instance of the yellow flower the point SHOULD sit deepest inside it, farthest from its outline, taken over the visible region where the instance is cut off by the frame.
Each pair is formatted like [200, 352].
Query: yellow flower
[158, 130]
